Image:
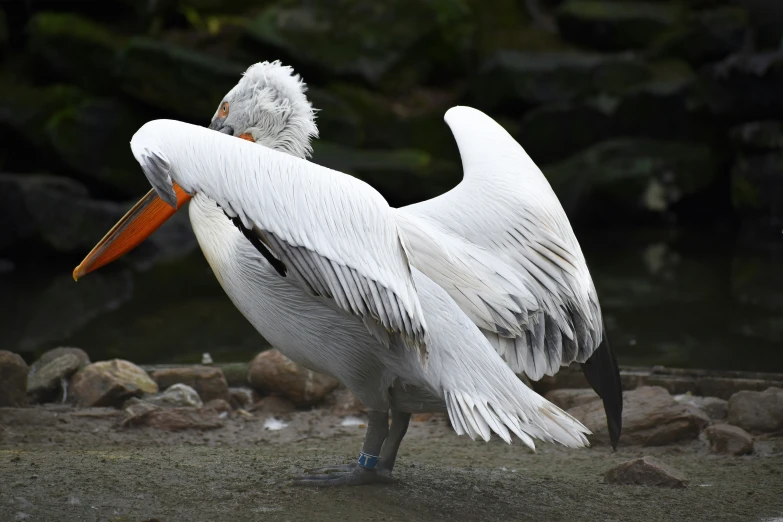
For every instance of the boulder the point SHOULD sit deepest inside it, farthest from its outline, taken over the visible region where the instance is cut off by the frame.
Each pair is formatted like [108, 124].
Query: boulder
[714, 407]
[92, 138]
[402, 176]
[706, 36]
[75, 48]
[567, 398]
[52, 369]
[218, 405]
[757, 412]
[646, 471]
[208, 381]
[171, 419]
[110, 383]
[13, 379]
[175, 79]
[745, 86]
[724, 438]
[616, 26]
[176, 396]
[273, 372]
[273, 404]
[651, 417]
[370, 41]
[242, 396]
[631, 176]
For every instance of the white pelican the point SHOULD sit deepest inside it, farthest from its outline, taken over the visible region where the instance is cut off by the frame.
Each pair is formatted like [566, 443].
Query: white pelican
[386, 300]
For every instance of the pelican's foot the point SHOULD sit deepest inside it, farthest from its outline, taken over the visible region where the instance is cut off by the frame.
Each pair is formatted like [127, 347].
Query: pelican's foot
[346, 475]
[333, 469]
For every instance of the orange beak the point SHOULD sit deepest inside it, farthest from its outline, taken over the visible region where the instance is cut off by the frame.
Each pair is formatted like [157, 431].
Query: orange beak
[138, 224]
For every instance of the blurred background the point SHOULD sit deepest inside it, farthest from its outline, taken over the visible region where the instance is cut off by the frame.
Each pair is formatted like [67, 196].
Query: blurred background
[659, 125]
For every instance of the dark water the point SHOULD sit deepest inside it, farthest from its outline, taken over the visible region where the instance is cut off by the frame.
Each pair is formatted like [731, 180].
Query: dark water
[678, 298]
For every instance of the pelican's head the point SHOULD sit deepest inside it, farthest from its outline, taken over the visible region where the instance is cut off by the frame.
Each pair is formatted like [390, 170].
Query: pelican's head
[268, 106]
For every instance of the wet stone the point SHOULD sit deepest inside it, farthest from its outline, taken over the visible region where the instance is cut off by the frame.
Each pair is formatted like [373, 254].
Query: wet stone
[208, 381]
[47, 375]
[757, 411]
[724, 438]
[272, 372]
[646, 471]
[110, 383]
[13, 379]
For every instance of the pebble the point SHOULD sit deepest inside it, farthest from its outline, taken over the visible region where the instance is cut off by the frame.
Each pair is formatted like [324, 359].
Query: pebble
[272, 372]
[13, 379]
[724, 438]
[651, 417]
[47, 375]
[110, 383]
[760, 412]
[646, 471]
[208, 381]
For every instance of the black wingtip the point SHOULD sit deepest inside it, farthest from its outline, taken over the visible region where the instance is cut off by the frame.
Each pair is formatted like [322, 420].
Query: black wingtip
[603, 374]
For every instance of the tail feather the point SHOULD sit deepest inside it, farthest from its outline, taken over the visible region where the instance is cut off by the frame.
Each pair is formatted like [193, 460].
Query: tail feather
[603, 375]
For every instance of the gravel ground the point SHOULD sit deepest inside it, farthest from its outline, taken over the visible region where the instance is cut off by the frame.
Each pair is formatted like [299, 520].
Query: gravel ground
[62, 464]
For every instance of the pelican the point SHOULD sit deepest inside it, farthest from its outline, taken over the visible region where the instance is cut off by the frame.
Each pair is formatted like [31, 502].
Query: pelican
[431, 307]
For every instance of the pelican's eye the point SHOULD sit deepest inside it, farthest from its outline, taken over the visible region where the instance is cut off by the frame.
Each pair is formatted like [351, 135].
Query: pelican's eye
[223, 110]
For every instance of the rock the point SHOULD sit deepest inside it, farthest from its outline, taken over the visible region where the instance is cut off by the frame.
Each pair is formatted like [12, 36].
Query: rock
[714, 407]
[757, 411]
[631, 177]
[218, 405]
[13, 379]
[370, 41]
[342, 402]
[75, 48]
[403, 176]
[272, 372]
[724, 438]
[651, 417]
[92, 137]
[171, 419]
[746, 86]
[177, 396]
[706, 36]
[110, 383]
[208, 381]
[243, 397]
[44, 381]
[175, 79]
[646, 471]
[566, 398]
[274, 405]
[615, 26]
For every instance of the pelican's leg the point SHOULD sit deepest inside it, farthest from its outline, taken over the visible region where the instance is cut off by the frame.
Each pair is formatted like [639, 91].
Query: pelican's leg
[365, 471]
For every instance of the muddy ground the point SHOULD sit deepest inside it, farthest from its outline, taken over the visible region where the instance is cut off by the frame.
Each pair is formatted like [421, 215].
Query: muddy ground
[61, 464]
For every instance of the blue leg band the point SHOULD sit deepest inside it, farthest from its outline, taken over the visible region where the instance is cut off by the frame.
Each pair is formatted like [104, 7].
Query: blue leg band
[368, 461]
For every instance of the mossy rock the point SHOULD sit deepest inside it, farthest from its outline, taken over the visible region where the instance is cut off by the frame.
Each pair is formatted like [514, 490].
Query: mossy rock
[174, 79]
[612, 26]
[92, 138]
[75, 48]
[746, 86]
[403, 176]
[366, 39]
[631, 177]
[520, 80]
[24, 109]
[707, 36]
[757, 186]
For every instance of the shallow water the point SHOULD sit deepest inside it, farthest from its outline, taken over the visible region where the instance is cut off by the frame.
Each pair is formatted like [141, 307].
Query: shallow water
[694, 298]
